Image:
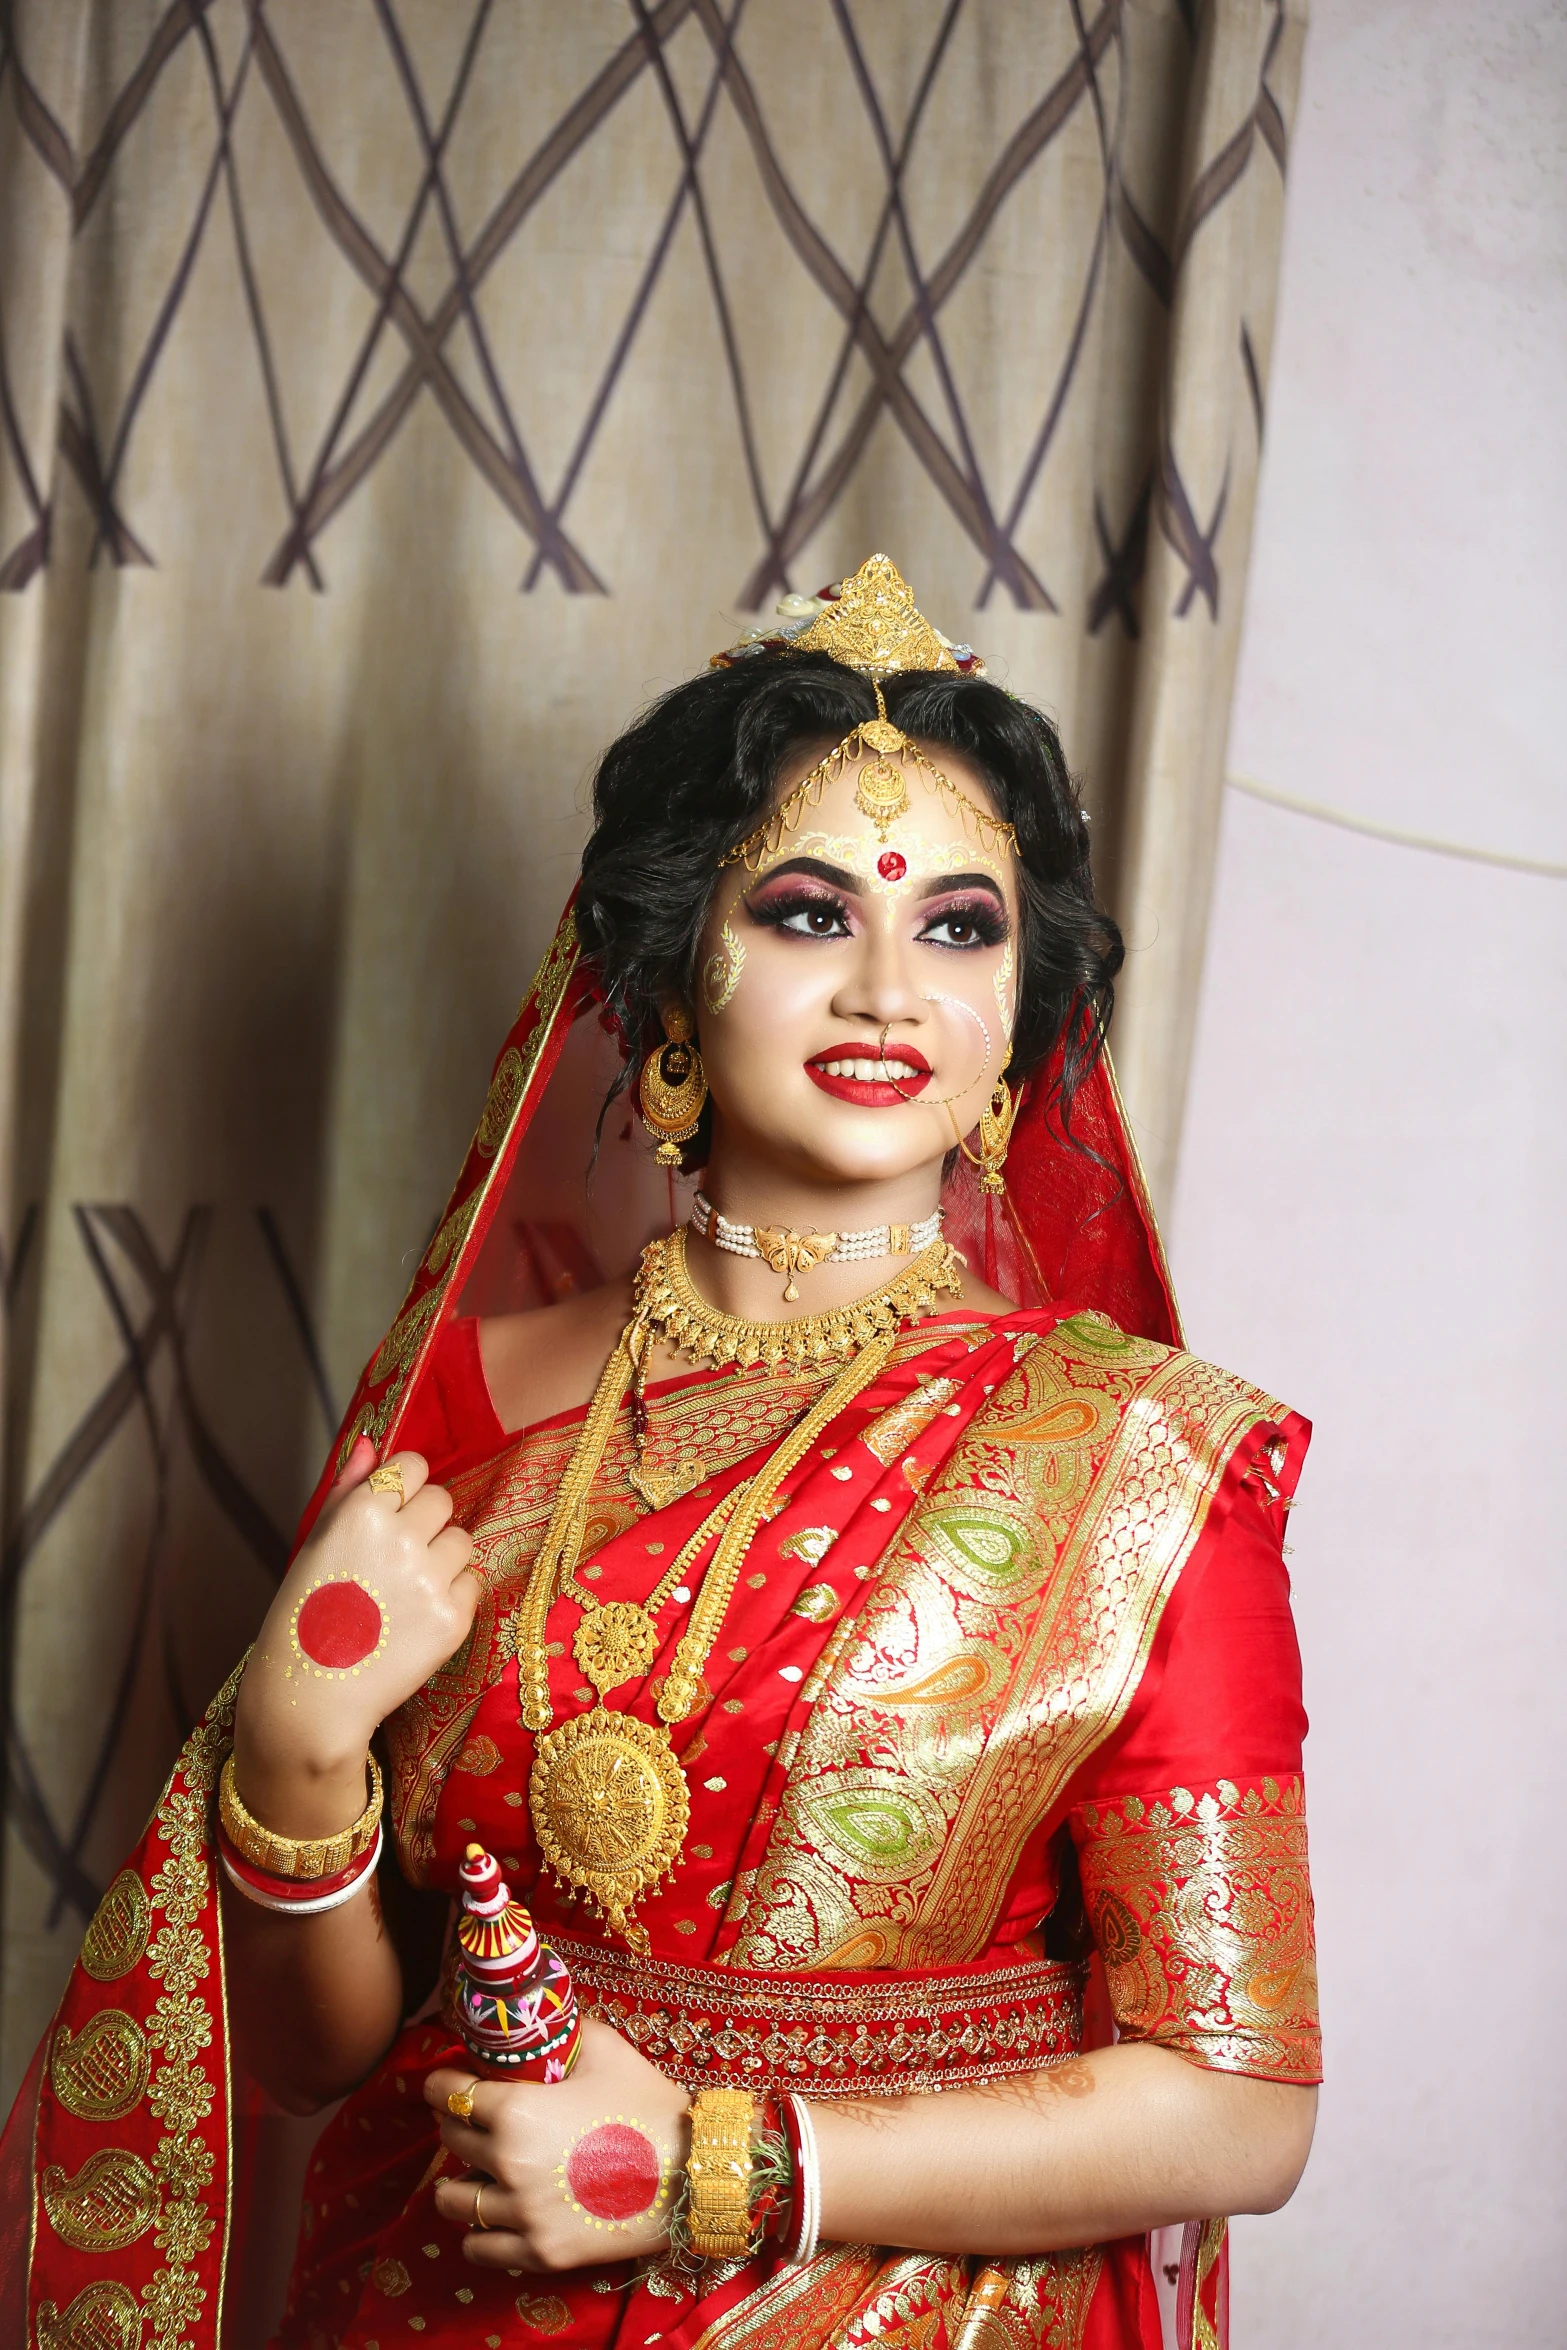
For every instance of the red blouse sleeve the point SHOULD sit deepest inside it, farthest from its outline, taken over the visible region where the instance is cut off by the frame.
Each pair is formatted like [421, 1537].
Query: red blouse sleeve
[1190, 1822]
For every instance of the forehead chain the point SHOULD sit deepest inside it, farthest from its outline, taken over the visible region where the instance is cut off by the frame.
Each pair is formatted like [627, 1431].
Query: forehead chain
[881, 794]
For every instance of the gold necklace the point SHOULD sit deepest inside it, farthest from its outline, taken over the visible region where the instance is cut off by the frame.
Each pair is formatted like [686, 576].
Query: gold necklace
[607, 1797]
[669, 1302]
[617, 1639]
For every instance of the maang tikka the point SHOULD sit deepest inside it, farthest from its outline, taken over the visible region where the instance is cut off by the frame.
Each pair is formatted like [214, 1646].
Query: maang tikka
[672, 1090]
[869, 622]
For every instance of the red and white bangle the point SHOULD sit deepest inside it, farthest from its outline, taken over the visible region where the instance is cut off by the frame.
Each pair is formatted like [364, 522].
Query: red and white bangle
[805, 2208]
[302, 1896]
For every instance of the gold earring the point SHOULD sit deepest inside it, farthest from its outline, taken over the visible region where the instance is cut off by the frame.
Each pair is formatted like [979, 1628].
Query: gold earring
[673, 1087]
[995, 1136]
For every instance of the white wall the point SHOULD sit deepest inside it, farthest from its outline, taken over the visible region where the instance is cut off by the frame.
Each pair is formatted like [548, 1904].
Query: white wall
[1370, 1198]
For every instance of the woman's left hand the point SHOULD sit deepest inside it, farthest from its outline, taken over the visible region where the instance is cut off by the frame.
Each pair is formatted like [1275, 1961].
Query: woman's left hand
[570, 2174]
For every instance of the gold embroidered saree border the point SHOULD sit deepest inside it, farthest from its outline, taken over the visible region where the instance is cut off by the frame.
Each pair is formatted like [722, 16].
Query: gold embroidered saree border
[128, 2052]
[1201, 1909]
[823, 2293]
[858, 2297]
[845, 2037]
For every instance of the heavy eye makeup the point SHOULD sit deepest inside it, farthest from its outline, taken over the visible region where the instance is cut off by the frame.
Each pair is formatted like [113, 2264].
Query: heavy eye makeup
[801, 906]
[817, 901]
[965, 917]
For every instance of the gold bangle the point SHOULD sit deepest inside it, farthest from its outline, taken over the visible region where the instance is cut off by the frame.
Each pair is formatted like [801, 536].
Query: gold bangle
[294, 1856]
[719, 2169]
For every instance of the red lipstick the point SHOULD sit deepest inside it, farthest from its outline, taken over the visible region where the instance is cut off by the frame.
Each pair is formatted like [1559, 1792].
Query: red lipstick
[838, 1071]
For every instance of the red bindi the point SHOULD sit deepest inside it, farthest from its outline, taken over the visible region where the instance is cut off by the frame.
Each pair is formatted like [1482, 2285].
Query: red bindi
[338, 1625]
[891, 866]
[614, 2172]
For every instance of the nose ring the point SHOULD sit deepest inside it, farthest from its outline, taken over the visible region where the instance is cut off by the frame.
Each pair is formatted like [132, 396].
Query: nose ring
[940, 1101]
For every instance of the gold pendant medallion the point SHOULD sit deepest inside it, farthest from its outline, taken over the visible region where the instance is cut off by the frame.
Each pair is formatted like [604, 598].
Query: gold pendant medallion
[616, 1641]
[610, 1811]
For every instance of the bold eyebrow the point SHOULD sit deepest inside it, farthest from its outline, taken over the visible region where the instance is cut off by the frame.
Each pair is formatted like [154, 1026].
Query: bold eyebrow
[819, 870]
[949, 881]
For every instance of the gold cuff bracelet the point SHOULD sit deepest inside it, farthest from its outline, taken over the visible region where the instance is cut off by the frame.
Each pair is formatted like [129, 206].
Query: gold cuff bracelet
[294, 1856]
[719, 2169]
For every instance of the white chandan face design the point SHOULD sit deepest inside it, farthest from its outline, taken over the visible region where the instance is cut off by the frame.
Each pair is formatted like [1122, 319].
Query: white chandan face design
[858, 992]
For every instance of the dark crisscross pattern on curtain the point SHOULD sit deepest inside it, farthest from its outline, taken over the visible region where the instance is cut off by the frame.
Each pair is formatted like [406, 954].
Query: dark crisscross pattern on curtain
[392, 396]
[317, 482]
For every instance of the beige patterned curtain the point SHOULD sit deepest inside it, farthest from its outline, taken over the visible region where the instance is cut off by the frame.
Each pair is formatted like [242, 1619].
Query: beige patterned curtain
[392, 396]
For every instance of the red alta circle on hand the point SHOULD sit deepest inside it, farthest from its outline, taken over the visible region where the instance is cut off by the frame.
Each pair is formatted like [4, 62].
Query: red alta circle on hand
[614, 2172]
[339, 1625]
[891, 866]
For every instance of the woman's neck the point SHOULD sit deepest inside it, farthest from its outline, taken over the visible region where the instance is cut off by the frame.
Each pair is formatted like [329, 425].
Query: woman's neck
[758, 1192]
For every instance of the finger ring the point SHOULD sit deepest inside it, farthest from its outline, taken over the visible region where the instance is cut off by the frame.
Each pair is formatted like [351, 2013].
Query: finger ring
[479, 2221]
[459, 2104]
[388, 1478]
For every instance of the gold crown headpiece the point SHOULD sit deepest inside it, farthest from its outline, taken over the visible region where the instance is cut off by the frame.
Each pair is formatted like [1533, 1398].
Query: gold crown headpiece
[870, 623]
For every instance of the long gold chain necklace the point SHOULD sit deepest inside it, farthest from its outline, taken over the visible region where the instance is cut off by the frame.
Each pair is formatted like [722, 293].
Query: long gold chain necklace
[607, 1796]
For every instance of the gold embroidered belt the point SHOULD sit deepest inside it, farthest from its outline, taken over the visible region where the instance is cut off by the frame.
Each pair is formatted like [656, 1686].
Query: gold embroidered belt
[833, 2035]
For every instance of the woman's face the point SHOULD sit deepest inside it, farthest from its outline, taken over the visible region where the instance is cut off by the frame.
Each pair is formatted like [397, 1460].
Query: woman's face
[857, 993]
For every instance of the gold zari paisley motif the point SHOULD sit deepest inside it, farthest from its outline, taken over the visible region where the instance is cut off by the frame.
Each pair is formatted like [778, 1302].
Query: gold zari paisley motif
[101, 2317]
[161, 2072]
[1201, 1908]
[100, 2072]
[112, 2200]
[1024, 1592]
[117, 1934]
[500, 1103]
[403, 1341]
[453, 1233]
[897, 1429]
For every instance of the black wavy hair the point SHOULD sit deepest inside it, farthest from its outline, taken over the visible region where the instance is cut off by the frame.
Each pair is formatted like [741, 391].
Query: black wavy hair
[699, 771]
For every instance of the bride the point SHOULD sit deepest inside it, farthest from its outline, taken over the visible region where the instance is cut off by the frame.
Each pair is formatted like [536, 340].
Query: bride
[782, 1527]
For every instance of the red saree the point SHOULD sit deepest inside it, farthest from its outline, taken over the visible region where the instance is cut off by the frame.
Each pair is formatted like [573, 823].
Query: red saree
[1010, 1675]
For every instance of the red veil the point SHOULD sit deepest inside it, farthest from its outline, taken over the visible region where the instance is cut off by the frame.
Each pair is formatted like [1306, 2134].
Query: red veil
[117, 2171]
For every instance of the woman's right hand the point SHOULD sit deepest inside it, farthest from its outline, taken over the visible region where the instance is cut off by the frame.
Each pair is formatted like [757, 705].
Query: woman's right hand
[378, 1597]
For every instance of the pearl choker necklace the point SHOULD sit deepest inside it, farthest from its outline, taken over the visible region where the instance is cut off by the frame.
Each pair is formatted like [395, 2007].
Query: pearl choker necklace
[791, 1252]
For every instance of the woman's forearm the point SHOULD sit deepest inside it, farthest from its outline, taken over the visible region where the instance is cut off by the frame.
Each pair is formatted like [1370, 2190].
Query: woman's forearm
[1122, 2140]
[314, 2001]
